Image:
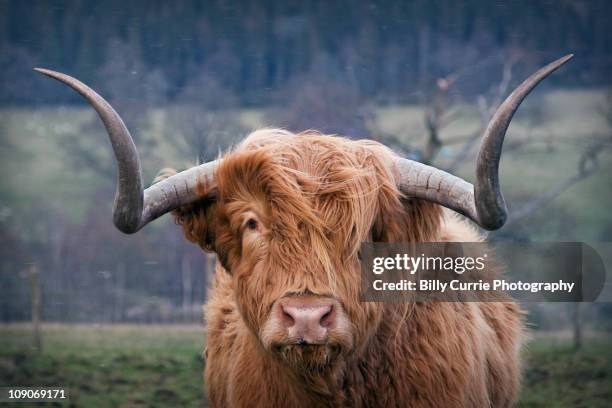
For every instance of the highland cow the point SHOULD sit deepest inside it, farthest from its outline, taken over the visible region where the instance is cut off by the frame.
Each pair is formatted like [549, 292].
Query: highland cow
[286, 214]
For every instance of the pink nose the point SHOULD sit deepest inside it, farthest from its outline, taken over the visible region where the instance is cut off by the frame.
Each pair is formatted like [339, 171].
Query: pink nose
[307, 319]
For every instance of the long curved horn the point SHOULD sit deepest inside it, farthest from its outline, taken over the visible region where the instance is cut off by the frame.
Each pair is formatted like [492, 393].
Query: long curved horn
[483, 203]
[134, 207]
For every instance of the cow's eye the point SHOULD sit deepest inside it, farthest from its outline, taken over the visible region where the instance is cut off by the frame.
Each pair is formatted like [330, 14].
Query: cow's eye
[251, 224]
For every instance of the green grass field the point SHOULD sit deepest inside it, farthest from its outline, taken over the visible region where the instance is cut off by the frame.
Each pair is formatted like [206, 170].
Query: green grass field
[558, 376]
[109, 366]
[156, 366]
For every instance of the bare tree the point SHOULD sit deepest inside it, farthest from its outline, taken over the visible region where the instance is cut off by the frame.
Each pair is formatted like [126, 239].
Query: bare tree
[588, 164]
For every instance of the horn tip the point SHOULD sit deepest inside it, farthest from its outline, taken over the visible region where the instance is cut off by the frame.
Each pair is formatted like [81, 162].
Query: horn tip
[495, 224]
[45, 71]
[563, 60]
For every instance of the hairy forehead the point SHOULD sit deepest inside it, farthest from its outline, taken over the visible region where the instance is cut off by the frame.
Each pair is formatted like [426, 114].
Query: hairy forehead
[317, 156]
[314, 165]
[328, 185]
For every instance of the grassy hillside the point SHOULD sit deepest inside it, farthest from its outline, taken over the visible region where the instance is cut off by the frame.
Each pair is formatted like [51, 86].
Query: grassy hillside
[156, 366]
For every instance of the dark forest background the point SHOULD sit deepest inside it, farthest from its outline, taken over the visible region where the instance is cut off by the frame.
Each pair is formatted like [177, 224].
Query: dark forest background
[256, 50]
[190, 78]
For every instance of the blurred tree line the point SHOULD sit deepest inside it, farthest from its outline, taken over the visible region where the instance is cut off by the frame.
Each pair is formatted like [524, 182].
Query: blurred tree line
[252, 50]
[88, 272]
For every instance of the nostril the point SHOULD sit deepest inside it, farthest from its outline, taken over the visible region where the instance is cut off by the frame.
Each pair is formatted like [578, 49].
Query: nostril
[288, 320]
[328, 317]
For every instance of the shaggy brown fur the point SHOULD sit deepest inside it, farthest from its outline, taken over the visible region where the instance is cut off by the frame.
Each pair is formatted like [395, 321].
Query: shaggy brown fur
[286, 215]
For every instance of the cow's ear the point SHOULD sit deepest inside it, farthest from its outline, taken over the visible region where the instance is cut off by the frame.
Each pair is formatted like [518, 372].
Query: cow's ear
[413, 220]
[199, 220]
